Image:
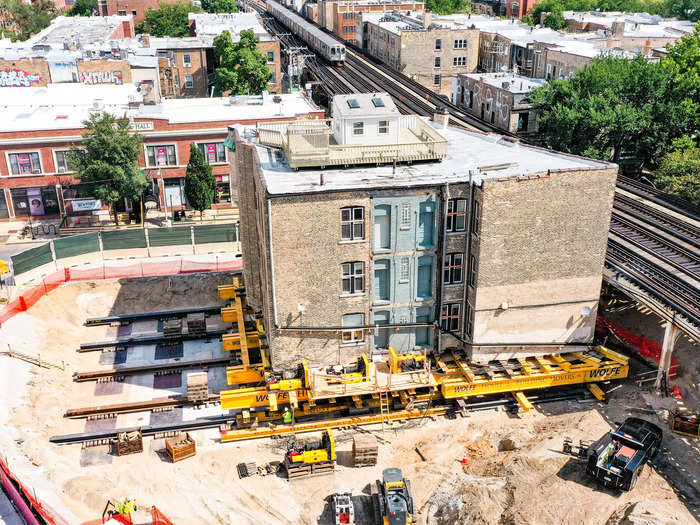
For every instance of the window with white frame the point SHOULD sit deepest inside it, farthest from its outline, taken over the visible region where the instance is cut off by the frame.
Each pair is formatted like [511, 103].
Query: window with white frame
[437, 79]
[161, 156]
[270, 57]
[405, 222]
[24, 163]
[456, 215]
[358, 128]
[352, 223]
[437, 61]
[214, 152]
[189, 81]
[186, 60]
[62, 165]
[273, 78]
[449, 320]
[460, 43]
[438, 44]
[350, 321]
[353, 280]
[472, 271]
[404, 271]
[453, 268]
[459, 61]
[383, 127]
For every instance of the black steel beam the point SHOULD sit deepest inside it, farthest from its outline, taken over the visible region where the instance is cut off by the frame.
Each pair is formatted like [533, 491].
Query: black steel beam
[146, 340]
[166, 314]
[80, 377]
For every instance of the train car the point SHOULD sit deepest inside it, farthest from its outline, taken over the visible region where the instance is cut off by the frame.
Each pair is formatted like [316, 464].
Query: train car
[325, 45]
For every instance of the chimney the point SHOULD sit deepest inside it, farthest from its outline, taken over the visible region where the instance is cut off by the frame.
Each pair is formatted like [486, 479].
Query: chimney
[127, 28]
[646, 50]
[146, 40]
[441, 117]
[427, 19]
[618, 28]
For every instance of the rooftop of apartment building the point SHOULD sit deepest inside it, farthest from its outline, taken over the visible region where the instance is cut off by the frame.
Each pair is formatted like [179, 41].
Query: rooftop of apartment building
[364, 104]
[514, 83]
[398, 22]
[66, 106]
[635, 24]
[208, 26]
[84, 29]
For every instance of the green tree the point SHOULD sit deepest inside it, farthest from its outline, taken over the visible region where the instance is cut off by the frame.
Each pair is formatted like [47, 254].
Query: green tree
[83, 8]
[554, 20]
[168, 20]
[612, 109]
[683, 65]
[679, 173]
[200, 184]
[109, 158]
[448, 7]
[242, 67]
[14, 37]
[220, 6]
[29, 19]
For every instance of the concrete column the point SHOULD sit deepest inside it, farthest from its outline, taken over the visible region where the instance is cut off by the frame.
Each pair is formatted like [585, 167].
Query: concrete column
[670, 336]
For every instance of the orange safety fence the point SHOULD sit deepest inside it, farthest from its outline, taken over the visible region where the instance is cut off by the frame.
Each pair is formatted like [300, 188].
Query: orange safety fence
[31, 295]
[646, 347]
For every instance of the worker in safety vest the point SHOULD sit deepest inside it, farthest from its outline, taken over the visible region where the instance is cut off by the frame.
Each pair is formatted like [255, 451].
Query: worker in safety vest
[127, 506]
[287, 416]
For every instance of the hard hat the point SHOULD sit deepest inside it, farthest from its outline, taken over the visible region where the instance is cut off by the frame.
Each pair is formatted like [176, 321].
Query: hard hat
[286, 409]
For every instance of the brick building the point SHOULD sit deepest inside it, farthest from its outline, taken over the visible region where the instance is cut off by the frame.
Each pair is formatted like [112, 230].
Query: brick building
[341, 16]
[135, 8]
[486, 250]
[498, 98]
[430, 53]
[33, 165]
[518, 8]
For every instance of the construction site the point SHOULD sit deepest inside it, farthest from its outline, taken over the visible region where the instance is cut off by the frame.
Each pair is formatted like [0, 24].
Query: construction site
[481, 459]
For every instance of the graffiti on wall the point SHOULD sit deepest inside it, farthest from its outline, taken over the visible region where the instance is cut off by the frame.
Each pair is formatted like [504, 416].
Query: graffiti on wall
[101, 77]
[18, 78]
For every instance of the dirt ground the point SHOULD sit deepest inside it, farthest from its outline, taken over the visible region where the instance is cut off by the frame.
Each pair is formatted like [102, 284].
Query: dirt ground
[534, 483]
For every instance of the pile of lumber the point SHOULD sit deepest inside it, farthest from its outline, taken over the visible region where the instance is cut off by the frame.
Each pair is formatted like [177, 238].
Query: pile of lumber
[129, 443]
[180, 447]
[196, 324]
[197, 386]
[364, 450]
[172, 328]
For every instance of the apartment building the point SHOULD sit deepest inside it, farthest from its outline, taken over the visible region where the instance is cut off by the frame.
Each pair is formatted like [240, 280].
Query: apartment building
[40, 124]
[341, 16]
[135, 8]
[428, 52]
[485, 250]
[498, 98]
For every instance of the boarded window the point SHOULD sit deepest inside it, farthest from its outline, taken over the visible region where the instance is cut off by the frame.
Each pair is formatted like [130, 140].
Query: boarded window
[382, 227]
[381, 280]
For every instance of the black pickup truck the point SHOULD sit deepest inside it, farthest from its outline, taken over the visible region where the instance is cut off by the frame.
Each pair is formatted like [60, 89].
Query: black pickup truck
[617, 459]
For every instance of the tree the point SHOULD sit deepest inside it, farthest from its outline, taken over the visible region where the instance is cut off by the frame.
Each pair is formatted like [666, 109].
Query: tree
[109, 158]
[683, 65]
[220, 6]
[168, 20]
[679, 174]
[200, 184]
[614, 108]
[242, 67]
[448, 7]
[29, 19]
[554, 20]
[83, 8]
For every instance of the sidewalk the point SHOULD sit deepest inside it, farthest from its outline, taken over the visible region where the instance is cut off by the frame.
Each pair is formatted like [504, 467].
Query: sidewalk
[12, 232]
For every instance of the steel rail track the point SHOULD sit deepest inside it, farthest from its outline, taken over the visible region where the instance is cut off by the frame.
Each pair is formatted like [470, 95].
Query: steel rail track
[663, 248]
[502, 400]
[165, 314]
[655, 280]
[94, 375]
[671, 202]
[146, 340]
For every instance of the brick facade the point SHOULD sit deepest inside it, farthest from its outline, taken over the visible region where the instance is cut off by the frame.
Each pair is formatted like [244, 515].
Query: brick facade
[25, 72]
[137, 8]
[104, 71]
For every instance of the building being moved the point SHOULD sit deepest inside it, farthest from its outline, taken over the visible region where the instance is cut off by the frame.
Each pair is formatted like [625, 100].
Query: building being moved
[488, 246]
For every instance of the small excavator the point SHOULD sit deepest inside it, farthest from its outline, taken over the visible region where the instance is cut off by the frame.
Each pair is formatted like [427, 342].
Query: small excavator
[392, 499]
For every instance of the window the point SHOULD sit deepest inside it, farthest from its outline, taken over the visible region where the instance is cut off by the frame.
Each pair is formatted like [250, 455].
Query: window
[449, 318]
[475, 218]
[459, 61]
[381, 337]
[189, 82]
[378, 102]
[121, 12]
[383, 127]
[353, 277]
[437, 79]
[381, 279]
[24, 163]
[523, 121]
[472, 271]
[358, 128]
[177, 81]
[422, 332]
[62, 161]
[161, 156]
[515, 9]
[471, 99]
[461, 43]
[133, 12]
[404, 270]
[456, 215]
[405, 223]
[437, 61]
[174, 191]
[468, 317]
[425, 277]
[425, 226]
[213, 151]
[34, 201]
[270, 57]
[186, 60]
[438, 44]
[273, 78]
[382, 227]
[353, 336]
[454, 266]
[352, 223]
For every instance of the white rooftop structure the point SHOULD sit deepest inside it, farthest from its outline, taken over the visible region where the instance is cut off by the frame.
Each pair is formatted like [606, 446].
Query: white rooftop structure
[357, 105]
[516, 84]
[489, 156]
[79, 29]
[636, 24]
[211, 25]
[66, 106]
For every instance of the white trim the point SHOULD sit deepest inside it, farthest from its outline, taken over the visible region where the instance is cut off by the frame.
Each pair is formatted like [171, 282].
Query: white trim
[159, 134]
[9, 166]
[225, 152]
[145, 153]
[55, 161]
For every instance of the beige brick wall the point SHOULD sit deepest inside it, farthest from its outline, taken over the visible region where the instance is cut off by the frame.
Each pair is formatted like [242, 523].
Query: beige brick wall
[35, 71]
[104, 71]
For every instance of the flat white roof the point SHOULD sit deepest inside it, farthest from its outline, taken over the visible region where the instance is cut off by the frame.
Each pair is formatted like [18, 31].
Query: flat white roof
[83, 29]
[636, 24]
[66, 106]
[516, 83]
[491, 156]
[364, 104]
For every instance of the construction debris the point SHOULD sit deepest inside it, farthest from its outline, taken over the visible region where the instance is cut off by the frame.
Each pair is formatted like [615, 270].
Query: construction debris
[172, 328]
[364, 450]
[197, 386]
[180, 447]
[197, 324]
[128, 443]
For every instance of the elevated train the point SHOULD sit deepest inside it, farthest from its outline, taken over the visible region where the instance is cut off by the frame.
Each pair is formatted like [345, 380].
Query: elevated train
[325, 45]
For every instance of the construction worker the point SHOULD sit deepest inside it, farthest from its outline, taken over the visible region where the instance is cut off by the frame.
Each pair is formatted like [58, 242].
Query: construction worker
[287, 416]
[127, 506]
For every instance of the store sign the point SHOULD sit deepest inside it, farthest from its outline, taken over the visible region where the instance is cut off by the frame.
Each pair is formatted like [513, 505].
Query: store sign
[141, 126]
[18, 78]
[86, 205]
[101, 77]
